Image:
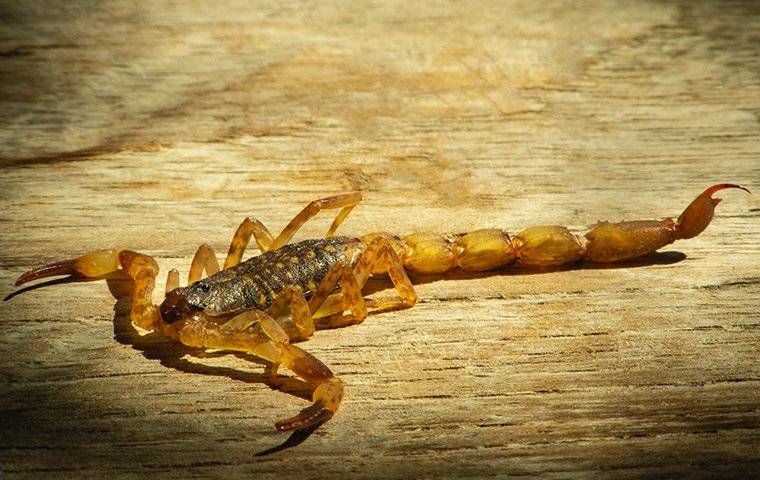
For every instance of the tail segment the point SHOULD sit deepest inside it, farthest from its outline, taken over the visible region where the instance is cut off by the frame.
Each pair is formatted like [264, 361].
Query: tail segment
[544, 246]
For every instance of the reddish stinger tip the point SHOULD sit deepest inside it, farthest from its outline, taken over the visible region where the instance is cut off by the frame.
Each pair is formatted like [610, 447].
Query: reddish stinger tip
[723, 186]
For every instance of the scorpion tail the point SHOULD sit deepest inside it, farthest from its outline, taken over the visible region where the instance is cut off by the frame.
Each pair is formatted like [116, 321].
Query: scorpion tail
[93, 264]
[697, 216]
[615, 242]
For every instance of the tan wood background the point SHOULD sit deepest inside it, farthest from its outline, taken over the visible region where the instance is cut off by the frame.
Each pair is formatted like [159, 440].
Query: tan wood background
[160, 125]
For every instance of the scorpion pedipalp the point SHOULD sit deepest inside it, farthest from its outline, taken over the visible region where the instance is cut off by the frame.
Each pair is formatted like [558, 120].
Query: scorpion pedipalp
[98, 263]
[326, 398]
[94, 264]
[256, 332]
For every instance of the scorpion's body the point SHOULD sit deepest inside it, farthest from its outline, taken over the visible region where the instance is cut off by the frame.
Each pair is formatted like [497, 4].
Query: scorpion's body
[261, 304]
[256, 282]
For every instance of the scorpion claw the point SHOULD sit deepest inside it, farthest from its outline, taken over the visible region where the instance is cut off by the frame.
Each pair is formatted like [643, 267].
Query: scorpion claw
[48, 270]
[93, 264]
[314, 414]
[327, 397]
[697, 216]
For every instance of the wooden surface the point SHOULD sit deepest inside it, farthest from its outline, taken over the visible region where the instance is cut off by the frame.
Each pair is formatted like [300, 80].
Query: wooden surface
[160, 125]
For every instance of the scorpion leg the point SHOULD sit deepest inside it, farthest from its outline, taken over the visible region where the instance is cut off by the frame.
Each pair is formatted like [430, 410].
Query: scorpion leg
[264, 239]
[346, 202]
[378, 257]
[323, 303]
[172, 280]
[256, 332]
[204, 259]
[141, 268]
[292, 302]
[250, 226]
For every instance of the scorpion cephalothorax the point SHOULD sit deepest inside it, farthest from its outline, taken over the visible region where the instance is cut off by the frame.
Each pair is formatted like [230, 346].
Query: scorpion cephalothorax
[262, 304]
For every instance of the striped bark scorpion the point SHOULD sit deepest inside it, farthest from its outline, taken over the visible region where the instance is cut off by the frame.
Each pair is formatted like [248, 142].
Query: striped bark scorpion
[267, 302]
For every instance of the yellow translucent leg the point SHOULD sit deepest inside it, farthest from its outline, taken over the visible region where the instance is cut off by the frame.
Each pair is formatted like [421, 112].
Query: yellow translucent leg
[250, 226]
[291, 301]
[204, 259]
[266, 242]
[172, 280]
[257, 333]
[379, 257]
[350, 298]
[346, 201]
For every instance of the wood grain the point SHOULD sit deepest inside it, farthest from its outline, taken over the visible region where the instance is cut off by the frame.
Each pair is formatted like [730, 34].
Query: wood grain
[160, 125]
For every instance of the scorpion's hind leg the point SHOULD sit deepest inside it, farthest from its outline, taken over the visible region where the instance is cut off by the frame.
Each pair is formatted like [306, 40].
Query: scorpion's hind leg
[378, 257]
[264, 239]
[141, 268]
[257, 333]
[292, 302]
[324, 303]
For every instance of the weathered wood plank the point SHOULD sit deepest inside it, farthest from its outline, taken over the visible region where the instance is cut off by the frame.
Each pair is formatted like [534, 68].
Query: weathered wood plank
[159, 126]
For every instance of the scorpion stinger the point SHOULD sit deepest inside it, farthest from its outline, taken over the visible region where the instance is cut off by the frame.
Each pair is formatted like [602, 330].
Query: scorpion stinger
[697, 216]
[264, 303]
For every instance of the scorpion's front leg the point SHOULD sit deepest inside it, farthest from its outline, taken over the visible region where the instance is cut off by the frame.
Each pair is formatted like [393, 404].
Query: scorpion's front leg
[257, 333]
[204, 260]
[264, 239]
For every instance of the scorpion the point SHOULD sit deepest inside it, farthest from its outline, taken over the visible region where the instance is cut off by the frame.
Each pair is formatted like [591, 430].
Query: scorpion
[266, 303]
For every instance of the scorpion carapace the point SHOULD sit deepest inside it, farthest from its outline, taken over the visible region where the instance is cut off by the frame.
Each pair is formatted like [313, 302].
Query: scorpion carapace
[263, 304]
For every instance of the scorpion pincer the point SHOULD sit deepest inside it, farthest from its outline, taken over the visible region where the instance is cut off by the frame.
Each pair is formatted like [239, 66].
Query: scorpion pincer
[265, 303]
